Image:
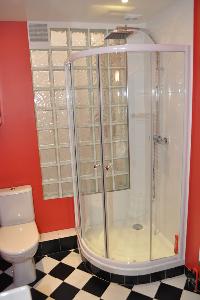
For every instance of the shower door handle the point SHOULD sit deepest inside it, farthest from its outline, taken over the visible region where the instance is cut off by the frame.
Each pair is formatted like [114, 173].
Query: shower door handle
[107, 167]
[96, 166]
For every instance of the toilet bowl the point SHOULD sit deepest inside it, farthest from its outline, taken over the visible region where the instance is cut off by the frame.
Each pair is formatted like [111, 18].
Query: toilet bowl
[19, 235]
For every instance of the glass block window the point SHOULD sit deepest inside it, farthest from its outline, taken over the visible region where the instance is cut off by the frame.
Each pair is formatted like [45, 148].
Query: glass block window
[51, 110]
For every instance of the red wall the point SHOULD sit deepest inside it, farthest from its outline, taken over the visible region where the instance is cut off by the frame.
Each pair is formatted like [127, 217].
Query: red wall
[193, 232]
[19, 157]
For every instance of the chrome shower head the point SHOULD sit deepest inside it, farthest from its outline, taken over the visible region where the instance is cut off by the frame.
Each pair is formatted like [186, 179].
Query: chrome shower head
[120, 33]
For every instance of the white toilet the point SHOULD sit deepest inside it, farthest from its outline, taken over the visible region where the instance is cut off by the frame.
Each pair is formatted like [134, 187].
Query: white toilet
[19, 235]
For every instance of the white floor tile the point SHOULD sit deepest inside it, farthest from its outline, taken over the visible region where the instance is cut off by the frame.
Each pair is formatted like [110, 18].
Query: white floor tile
[46, 264]
[9, 271]
[115, 292]
[148, 289]
[178, 281]
[73, 259]
[186, 295]
[82, 295]
[78, 278]
[47, 284]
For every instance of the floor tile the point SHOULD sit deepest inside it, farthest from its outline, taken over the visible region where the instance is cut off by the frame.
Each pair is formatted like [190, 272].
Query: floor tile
[186, 295]
[9, 271]
[65, 291]
[78, 278]
[39, 276]
[5, 281]
[82, 295]
[190, 286]
[47, 285]
[4, 265]
[82, 267]
[73, 259]
[96, 286]
[148, 289]
[137, 296]
[115, 291]
[59, 255]
[61, 271]
[36, 295]
[166, 292]
[46, 264]
[178, 281]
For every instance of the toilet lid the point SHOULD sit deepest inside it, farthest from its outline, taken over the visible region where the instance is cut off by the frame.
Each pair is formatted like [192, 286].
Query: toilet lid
[18, 238]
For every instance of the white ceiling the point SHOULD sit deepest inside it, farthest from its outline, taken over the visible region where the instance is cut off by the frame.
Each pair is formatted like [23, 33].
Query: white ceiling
[98, 11]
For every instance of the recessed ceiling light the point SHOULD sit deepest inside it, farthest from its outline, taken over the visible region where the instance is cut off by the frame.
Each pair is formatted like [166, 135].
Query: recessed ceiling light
[124, 1]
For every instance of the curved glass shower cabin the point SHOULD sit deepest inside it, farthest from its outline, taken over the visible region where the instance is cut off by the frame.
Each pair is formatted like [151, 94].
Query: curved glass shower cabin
[128, 108]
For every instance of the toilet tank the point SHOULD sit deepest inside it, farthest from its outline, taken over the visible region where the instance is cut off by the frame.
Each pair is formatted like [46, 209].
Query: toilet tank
[16, 205]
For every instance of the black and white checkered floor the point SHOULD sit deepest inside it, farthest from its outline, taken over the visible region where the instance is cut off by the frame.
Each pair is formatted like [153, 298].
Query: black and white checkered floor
[63, 276]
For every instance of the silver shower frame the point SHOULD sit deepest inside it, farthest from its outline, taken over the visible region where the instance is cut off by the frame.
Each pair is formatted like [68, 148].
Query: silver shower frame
[150, 266]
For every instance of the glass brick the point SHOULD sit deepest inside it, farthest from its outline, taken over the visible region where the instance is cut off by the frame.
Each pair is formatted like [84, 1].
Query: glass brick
[97, 38]
[59, 78]
[85, 134]
[48, 156]
[46, 138]
[66, 171]
[79, 38]
[64, 154]
[83, 116]
[60, 100]
[120, 132]
[44, 119]
[119, 96]
[119, 114]
[117, 59]
[88, 186]
[67, 188]
[59, 58]
[62, 118]
[42, 99]
[41, 79]
[51, 190]
[39, 58]
[63, 136]
[82, 97]
[59, 38]
[120, 149]
[86, 152]
[118, 77]
[80, 62]
[86, 169]
[121, 182]
[120, 165]
[49, 173]
[81, 78]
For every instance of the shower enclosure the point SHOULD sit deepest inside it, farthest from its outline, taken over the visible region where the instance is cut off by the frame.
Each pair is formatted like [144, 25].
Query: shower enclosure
[129, 113]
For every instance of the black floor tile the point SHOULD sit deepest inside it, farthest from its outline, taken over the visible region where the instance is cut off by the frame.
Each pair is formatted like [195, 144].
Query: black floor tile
[38, 258]
[168, 292]
[144, 279]
[69, 243]
[4, 265]
[5, 281]
[83, 267]
[190, 286]
[100, 273]
[39, 275]
[117, 278]
[36, 295]
[59, 255]
[130, 281]
[61, 271]
[96, 286]
[136, 296]
[50, 247]
[65, 291]
[175, 271]
[76, 251]
[157, 276]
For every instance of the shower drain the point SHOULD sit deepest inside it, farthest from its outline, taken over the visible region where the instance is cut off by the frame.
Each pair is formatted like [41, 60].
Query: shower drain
[137, 226]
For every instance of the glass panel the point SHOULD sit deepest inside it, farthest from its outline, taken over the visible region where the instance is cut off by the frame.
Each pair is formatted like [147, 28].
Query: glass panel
[62, 118]
[89, 166]
[59, 58]
[50, 173]
[44, 119]
[46, 138]
[58, 37]
[63, 136]
[66, 171]
[48, 156]
[60, 100]
[64, 154]
[39, 58]
[168, 122]
[67, 188]
[97, 38]
[122, 181]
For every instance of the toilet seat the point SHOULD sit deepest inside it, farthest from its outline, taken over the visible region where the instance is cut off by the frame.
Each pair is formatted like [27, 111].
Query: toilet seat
[18, 239]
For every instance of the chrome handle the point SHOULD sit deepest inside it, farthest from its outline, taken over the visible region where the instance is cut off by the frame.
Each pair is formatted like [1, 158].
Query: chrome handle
[107, 167]
[96, 166]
